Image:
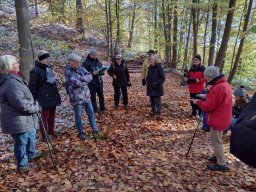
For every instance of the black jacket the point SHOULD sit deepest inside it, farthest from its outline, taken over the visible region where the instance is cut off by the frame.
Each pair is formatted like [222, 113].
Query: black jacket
[92, 65]
[243, 136]
[155, 80]
[121, 72]
[45, 93]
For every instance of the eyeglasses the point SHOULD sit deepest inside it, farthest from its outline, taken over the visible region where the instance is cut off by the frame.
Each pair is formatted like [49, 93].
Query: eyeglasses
[118, 58]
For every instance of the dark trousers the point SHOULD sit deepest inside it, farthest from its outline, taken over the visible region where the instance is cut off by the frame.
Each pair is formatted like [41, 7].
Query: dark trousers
[195, 108]
[156, 105]
[99, 92]
[117, 95]
[48, 116]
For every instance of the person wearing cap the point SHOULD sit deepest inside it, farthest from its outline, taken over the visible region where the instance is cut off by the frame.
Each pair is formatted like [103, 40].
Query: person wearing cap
[218, 108]
[154, 81]
[196, 82]
[77, 80]
[43, 86]
[240, 103]
[18, 112]
[121, 79]
[93, 65]
[145, 66]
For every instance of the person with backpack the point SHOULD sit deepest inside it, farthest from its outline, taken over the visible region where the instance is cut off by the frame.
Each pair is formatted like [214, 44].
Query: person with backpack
[154, 81]
[43, 86]
[18, 112]
[218, 109]
[121, 80]
[77, 80]
[93, 65]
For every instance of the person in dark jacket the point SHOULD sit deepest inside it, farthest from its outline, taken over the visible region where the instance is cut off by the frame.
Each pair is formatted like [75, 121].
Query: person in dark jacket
[93, 65]
[154, 81]
[218, 109]
[18, 112]
[196, 82]
[121, 79]
[42, 84]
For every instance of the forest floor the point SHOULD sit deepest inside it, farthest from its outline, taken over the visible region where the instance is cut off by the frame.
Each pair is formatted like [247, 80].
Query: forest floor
[136, 152]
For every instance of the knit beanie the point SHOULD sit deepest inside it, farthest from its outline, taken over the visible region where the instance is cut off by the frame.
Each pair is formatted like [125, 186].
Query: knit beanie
[42, 54]
[212, 72]
[198, 57]
[239, 92]
[118, 50]
[92, 51]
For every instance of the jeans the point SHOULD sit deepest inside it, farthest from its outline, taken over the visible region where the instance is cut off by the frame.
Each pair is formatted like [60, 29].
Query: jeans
[205, 125]
[156, 105]
[24, 147]
[117, 95]
[232, 124]
[48, 116]
[99, 92]
[90, 113]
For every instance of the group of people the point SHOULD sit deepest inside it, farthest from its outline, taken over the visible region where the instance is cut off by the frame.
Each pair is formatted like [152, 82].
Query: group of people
[22, 103]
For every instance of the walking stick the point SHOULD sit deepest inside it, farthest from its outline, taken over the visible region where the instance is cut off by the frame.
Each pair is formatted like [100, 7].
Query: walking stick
[199, 121]
[49, 143]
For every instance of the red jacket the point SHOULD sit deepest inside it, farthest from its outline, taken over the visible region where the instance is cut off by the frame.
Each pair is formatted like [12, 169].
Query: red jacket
[196, 73]
[218, 105]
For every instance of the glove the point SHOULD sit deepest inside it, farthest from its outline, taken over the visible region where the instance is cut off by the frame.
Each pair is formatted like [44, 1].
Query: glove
[190, 80]
[201, 96]
[143, 82]
[129, 84]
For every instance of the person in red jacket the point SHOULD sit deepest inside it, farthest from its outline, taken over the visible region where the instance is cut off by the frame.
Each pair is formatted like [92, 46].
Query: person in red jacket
[218, 108]
[196, 82]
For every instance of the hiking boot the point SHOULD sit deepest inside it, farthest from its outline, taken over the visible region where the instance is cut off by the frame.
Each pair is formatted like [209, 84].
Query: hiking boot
[24, 169]
[158, 117]
[216, 167]
[206, 129]
[82, 136]
[213, 159]
[95, 136]
[36, 156]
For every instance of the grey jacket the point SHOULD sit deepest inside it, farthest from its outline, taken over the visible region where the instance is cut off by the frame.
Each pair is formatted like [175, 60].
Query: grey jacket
[17, 108]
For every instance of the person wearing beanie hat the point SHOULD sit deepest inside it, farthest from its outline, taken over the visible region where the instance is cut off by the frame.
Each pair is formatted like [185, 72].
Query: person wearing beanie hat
[93, 65]
[121, 80]
[196, 82]
[42, 84]
[218, 109]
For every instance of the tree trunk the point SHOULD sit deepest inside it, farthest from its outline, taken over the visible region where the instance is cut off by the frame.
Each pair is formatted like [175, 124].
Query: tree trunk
[117, 23]
[155, 25]
[107, 30]
[166, 37]
[24, 34]
[36, 7]
[194, 17]
[132, 25]
[79, 17]
[187, 45]
[224, 43]
[205, 34]
[182, 29]
[214, 33]
[169, 17]
[240, 48]
[110, 27]
[175, 31]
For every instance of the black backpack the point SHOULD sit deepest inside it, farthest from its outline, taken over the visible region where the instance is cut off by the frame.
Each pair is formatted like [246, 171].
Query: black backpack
[243, 136]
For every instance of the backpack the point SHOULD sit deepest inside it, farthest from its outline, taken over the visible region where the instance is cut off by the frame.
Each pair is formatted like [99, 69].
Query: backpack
[243, 136]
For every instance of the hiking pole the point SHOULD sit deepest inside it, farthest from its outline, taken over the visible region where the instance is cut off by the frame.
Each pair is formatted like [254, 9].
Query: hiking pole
[47, 138]
[199, 121]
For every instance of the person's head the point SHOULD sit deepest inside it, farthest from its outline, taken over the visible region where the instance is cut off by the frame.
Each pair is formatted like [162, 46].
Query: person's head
[211, 72]
[118, 58]
[152, 59]
[151, 52]
[117, 50]
[197, 60]
[239, 93]
[93, 52]
[8, 63]
[43, 56]
[74, 60]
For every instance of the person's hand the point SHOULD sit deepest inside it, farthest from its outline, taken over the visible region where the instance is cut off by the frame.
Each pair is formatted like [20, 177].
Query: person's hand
[95, 73]
[114, 76]
[194, 101]
[197, 80]
[143, 82]
[191, 80]
[185, 78]
[129, 84]
[202, 96]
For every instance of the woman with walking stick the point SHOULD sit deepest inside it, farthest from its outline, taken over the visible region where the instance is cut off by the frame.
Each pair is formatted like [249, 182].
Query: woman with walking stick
[18, 112]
